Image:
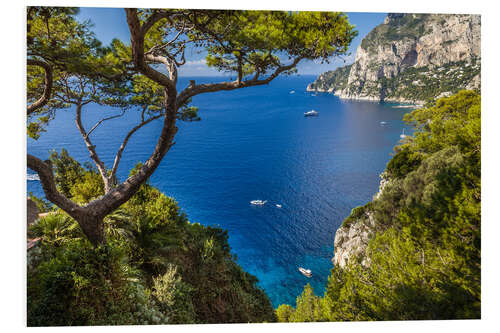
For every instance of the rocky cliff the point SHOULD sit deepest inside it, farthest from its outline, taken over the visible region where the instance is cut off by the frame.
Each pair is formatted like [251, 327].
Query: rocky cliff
[351, 239]
[411, 58]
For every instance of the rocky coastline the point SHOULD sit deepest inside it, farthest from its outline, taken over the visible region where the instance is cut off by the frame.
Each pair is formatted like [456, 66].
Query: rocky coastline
[410, 58]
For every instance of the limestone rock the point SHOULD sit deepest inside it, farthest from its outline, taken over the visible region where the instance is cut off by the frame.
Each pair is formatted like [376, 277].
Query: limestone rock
[408, 57]
[352, 240]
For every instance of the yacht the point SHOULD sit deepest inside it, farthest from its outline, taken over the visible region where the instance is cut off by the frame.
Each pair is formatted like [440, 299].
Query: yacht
[305, 272]
[258, 202]
[311, 113]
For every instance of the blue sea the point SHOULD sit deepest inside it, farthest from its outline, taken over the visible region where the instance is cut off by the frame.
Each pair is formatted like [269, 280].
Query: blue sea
[255, 143]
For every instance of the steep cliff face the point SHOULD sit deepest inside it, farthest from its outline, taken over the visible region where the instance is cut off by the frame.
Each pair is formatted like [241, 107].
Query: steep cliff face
[351, 239]
[412, 58]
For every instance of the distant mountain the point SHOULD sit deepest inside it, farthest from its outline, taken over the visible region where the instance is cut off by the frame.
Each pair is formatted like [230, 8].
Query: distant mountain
[411, 58]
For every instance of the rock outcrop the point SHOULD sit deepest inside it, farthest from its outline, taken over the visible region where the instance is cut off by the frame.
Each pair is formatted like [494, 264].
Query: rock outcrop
[411, 58]
[331, 80]
[351, 239]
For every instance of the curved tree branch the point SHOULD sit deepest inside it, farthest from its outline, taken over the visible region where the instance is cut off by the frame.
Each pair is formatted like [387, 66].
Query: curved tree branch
[137, 34]
[89, 220]
[44, 171]
[194, 89]
[123, 192]
[48, 85]
[103, 120]
[169, 63]
[91, 148]
[118, 155]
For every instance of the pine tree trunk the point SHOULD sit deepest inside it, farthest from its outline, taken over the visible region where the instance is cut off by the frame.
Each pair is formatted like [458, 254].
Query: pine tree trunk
[93, 228]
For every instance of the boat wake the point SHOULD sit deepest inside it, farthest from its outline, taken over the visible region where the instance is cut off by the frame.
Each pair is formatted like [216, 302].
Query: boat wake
[258, 202]
[32, 176]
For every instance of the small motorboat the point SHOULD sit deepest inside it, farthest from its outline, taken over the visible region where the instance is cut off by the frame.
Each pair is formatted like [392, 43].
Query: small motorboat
[311, 113]
[383, 123]
[258, 202]
[292, 92]
[403, 135]
[305, 272]
[278, 205]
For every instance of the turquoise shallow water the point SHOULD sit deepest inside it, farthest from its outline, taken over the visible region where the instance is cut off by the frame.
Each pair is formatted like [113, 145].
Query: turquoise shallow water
[255, 143]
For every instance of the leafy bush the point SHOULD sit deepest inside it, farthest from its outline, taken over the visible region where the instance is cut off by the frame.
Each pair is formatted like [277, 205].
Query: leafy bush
[174, 297]
[42, 205]
[56, 229]
[403, 162]
[81, 285]
[356, 214]
[284, 312]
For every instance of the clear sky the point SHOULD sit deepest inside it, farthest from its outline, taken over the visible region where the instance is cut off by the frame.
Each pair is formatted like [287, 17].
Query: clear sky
[111, 23]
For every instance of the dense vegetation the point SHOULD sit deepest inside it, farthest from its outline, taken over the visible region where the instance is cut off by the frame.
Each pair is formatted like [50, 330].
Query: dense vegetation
[400, 26]
[424, 84]
[424, 259]
[155, 268]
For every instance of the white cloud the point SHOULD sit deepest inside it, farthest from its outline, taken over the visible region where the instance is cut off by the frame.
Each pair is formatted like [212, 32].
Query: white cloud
[195, 62]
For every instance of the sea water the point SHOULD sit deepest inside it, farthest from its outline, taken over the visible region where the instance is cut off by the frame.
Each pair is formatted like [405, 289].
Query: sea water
[255, 143]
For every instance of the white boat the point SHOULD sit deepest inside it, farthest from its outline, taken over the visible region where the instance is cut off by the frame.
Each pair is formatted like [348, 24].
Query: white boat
[306, 272]
[311, 113]
[383, 123]
[258, 202]
[292, 92]
[278, 205]
[403, 135]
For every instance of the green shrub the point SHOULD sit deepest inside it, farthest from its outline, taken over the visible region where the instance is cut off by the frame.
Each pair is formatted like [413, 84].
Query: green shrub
[402, 163]
[357, 213]
[284, 312]
[82, 285]
[42, 204]
[56, 229]
[174, 297]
